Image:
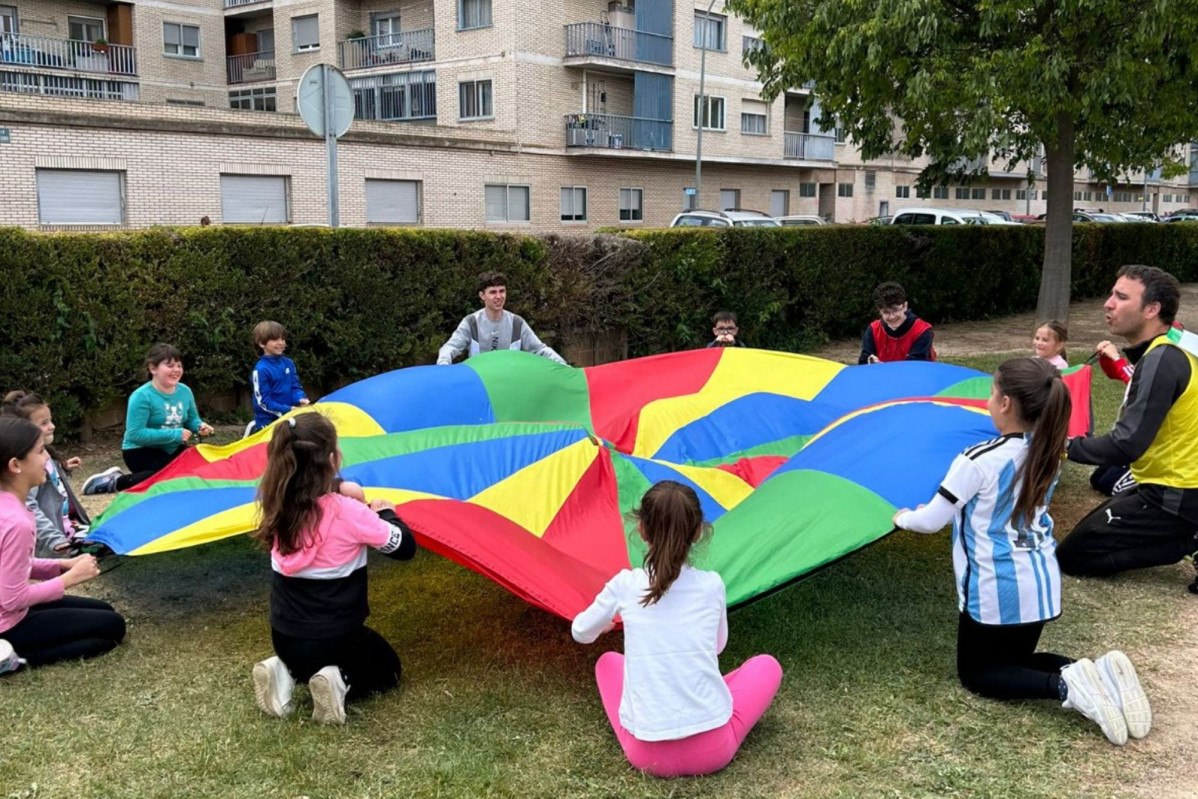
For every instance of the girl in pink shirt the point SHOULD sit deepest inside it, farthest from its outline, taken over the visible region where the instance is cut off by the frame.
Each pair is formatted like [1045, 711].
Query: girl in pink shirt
[317, 538]
[36, 619]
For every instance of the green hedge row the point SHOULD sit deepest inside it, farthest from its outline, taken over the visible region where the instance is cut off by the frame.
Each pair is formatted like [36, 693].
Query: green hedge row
[81, 309]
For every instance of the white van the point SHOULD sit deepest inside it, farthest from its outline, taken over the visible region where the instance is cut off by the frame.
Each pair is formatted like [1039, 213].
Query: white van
[940, 216]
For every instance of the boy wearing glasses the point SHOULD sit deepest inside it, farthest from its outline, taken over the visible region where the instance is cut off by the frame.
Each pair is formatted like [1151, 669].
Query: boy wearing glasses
[899, 335]
[493, 328]
[725, 330]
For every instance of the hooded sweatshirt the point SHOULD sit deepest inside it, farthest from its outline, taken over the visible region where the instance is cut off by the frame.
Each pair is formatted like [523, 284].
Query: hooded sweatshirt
[319, 591]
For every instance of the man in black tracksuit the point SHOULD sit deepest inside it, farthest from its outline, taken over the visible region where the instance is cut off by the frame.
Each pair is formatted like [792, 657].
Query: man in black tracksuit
[1154, 522]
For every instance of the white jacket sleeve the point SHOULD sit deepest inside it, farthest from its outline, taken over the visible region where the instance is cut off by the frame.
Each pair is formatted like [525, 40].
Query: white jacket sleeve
[592, 622]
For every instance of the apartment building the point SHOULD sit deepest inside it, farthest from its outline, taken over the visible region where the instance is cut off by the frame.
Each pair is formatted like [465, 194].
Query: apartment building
[483, 114]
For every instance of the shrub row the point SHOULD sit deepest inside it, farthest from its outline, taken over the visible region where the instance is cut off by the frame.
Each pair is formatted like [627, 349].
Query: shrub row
[81, 309]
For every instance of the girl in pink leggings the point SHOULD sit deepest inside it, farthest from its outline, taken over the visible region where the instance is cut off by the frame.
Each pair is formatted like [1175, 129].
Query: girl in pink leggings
[672, 712]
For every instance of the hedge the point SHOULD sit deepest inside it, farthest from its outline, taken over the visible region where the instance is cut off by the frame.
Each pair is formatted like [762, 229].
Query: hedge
[80, 309]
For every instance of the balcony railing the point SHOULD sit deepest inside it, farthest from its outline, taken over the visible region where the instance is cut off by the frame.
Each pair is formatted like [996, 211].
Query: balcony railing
[406, 47]
[597, 40]
[23, 49]
[607, 131]
[235, 3]
[252, 67]
[809, 146]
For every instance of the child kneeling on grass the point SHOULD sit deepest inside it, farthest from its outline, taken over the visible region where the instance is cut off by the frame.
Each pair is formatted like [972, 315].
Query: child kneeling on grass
[317, 538]
[672, 712]
[996, 494]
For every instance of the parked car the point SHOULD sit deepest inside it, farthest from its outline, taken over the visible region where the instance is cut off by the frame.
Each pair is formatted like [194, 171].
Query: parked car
[1182, 216]
[733, 217]
[940, 216]
[796, 220]
[1004, 214]
[1145, 215]
[1130, 217]
[1096, 216]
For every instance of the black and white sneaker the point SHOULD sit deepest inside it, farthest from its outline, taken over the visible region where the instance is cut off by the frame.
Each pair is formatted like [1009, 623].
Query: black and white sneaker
[102, 483]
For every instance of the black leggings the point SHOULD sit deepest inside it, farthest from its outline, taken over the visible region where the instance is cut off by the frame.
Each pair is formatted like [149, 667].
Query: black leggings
[1001, 661]
[70, 628]
[144, 463]
[368, 663]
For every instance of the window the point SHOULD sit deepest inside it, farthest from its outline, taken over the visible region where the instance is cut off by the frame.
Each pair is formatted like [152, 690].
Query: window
[85, 29]
[1086, 196]
[750, 43]
[393, 202]
[713, 115]
[386, 28]
[807, 189]
[1043, 195]
[8, 19]
[506, 203]
[1005, 194]
[181, 40]
[305, 33]
[474, 14]
[1020, 194]
[844, 189]
[631, 205]
[397, 96]
[871, 179]
[254, 199]
[474, 100]
[902, 192]
[921, 193]
[779, 202]
[962, 193]
[839, 134]
[574, 203]
[754, 118]
[940, 192]
[709, 31]
[253, 99]
[995, 194]
[1077, 195]
[729, 198]
[180, 101]
[979, 194]
[78, 197]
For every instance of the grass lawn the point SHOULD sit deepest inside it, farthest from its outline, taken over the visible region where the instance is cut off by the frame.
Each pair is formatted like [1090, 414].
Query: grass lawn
[498, 701]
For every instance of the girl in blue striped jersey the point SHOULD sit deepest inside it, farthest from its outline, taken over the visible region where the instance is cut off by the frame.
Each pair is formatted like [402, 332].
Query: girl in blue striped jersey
[996, 494]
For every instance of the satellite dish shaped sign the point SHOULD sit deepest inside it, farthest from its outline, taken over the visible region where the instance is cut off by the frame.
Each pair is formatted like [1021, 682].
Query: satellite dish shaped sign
[319, 112]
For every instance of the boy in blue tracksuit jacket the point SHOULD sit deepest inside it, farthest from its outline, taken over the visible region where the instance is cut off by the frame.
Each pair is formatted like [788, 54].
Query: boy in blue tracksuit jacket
[275, 381]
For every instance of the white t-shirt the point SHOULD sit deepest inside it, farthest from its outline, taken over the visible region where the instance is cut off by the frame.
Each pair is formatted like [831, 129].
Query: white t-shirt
[672, 683]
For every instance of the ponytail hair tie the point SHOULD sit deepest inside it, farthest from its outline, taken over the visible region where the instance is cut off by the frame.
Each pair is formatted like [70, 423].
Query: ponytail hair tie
[291, 422]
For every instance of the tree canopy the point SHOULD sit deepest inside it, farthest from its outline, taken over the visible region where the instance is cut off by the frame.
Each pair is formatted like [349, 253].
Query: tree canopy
[1109, 85]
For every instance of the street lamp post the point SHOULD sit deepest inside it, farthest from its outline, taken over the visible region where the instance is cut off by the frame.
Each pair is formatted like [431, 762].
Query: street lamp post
[703, 110]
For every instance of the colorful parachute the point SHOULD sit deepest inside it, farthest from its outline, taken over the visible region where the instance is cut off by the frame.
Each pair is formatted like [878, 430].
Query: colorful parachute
[524, 470]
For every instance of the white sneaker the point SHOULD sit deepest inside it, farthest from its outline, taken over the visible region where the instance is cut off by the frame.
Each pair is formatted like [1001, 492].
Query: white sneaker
[8, 658]
[102, 483]
[1088, 696]
[1121, 682]
[273, 686]
[328, 696]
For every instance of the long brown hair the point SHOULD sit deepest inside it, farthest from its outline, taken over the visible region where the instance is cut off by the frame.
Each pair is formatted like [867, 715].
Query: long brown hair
[299, 471]
[1043, 402]
[671, 520]
[18, 437]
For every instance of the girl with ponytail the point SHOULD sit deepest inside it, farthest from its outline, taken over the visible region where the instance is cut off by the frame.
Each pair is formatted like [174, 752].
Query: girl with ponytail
[317, 533]
[996, 494]
[672, 712]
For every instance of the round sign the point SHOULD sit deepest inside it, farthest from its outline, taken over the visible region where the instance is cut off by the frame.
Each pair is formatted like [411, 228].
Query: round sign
[310, 99]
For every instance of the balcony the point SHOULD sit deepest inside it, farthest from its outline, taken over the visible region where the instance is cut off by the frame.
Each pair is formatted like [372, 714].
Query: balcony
[44, 52]
[611, 132]
[252, 67]
[597, 44]
[809, 146]
[388, 49]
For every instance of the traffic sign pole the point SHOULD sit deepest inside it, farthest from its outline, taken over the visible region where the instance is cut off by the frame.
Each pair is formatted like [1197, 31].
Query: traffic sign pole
[325, 102]
[330, 141]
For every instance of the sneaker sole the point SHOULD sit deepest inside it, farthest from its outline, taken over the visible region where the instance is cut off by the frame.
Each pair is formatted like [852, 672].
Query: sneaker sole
[325, 708]
[1113, 724]
[264, 695]
[1131, 698]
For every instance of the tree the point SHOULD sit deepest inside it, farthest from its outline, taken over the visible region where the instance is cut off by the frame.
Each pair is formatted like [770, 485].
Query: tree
[1110, 85]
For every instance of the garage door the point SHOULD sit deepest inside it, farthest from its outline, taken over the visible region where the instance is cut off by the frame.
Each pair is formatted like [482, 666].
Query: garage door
[79, 197]
[393, 202]
[253, 199]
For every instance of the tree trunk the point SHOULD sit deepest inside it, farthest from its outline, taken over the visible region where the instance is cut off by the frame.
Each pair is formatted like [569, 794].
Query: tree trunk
[1053, 302]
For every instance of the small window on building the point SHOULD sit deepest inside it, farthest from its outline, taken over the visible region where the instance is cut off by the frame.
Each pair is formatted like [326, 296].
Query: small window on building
[305, 33]
[181, 40]
[807, 189]
[253, 99]
[505, 203]
[474, 100]
[1006, 194]
[80, 197]
[871, 179]
[978, 194]
[1077, 195]
[844, 189]
[921, 193]
[1020, 194]
[85, 29]
[392, 202]
[574, 203]
[474, 14]
[181, 101]
[750, 43]
[995, 194]
[1087, 196]
[779, 202]
[754, 118]
[713, 115]
[902, 192]
[961, 193]
[940, 192]
[709, 30]
[631, 205]
[254, 199]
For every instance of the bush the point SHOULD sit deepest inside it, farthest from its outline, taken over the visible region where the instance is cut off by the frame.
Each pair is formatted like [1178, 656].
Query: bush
[82, 308]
